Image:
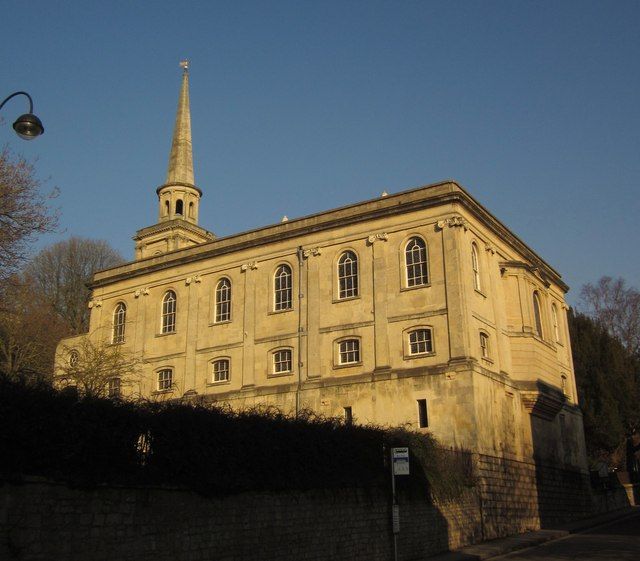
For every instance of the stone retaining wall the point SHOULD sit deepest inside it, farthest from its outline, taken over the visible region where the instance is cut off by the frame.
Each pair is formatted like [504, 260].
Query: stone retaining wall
[40, 520]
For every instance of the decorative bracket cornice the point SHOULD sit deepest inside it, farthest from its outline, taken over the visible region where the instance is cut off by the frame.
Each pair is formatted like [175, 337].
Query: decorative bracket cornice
[141, 292]
[536, 271]
[315, 251]
[189, 280]
[253, 265]
[489, 248]
[95, 304]
[452, 222]
[540, 399]
[382, 236]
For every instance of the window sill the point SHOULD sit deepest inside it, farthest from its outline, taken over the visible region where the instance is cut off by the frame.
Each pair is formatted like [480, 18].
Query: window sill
[480, 292]
[279, 374]
[214, 323]
[416, 287]
[348, 365]
[116, 344]
[165, 334]
[418, 355]
[219, 383]
[276, 312]
[162, 392]
[347, 299]
[487, 359]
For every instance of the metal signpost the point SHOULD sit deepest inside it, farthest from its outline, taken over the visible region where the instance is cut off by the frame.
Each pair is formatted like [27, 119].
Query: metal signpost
[399, 466]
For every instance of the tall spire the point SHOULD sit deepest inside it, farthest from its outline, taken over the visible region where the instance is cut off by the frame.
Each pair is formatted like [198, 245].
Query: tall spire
[178, 198]
[181, 156]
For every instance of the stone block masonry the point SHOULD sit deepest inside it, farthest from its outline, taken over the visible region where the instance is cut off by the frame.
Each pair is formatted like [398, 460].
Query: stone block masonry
[41, 520]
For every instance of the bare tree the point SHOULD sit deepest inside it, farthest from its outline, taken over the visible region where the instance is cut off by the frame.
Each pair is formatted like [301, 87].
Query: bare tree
[98, 369]
[616, 307]
[61, 271]
[29, 331]
[24, 211]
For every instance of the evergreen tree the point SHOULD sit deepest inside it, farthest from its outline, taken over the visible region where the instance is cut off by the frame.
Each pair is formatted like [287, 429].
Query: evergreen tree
[607, 376]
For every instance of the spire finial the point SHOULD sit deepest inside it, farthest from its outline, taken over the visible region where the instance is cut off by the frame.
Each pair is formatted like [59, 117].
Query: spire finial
[185, 65]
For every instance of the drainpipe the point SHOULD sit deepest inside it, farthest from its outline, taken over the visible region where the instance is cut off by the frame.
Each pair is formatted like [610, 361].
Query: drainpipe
[300, 297]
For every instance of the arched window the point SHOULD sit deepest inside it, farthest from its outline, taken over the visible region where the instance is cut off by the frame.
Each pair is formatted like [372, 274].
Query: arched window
[179, 207]
[119, 318]
[537, 314]
[220, 370]
[282, 361]
[169, 312]
[283, 288]
[349, 351]
[420, 341]
[74, 359]
[475, 265]
[415, 257]
[348, 275]
[166, 208]
[484, 345]
[223, 300]
[556, 326]
[563, 384]
[165, 379]
[190, 210]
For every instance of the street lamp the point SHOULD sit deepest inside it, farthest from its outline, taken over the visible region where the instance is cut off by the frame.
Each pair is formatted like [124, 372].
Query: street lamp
[27, 126]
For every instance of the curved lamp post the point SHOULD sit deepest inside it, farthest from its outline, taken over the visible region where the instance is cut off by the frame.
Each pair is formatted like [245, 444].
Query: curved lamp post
[27, 126]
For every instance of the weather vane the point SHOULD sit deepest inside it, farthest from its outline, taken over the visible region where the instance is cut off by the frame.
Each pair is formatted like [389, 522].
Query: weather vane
[184, 64]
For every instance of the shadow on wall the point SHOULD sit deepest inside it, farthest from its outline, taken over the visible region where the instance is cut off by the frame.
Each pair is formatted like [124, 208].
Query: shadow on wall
[564, 490]
[432, 524]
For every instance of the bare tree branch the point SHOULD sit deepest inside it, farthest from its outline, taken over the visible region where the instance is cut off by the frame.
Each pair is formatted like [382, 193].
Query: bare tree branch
[24, 211]
[60, 273]
[616, 307]
[96, 364]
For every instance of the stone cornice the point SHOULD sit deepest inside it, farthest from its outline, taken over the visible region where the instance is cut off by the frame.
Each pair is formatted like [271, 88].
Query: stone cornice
[175, 224]
[536, 271]
[434, 195]
[541, 399]
[179, 185]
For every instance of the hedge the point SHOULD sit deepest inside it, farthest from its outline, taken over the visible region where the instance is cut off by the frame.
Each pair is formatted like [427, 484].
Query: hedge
[214, 451]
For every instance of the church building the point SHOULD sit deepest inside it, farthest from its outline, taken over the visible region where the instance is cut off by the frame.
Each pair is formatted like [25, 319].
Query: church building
[418, 308]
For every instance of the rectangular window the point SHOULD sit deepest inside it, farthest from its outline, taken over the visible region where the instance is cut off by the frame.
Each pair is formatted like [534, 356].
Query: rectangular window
[114, 388]
[484, 345]
[282, 361]
[349, 351]
[348, 416]
[221, 370]
[423, 420]
[165, 379]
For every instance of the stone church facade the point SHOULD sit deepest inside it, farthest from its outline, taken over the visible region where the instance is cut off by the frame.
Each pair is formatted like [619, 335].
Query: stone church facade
[418, 308]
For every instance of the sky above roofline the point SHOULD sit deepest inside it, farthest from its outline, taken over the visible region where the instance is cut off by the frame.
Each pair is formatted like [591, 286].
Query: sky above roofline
[299, 107]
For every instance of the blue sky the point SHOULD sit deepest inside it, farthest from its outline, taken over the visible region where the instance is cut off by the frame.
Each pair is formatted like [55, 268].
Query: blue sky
[302, 106]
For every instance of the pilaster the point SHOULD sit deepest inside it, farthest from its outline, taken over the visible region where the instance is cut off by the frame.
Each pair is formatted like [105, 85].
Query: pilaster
[249, 324]
[453, 229]
[312, 277]
[378, 243]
